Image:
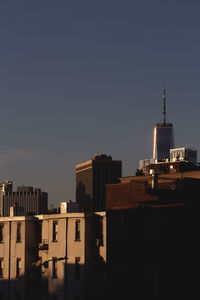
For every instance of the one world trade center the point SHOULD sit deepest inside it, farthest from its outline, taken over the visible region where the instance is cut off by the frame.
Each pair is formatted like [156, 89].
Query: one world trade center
[163, 136]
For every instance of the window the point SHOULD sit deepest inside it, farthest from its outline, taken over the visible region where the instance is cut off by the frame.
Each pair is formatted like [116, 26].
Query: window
[38, 232]
[18, 267]
[54, 268]
[77, 230]
[55, 231]
[1, 233]
[18, 232]
[1, 267]
[77, 268]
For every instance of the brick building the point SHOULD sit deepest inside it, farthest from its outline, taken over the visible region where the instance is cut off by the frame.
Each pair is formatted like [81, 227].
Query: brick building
[152, 225]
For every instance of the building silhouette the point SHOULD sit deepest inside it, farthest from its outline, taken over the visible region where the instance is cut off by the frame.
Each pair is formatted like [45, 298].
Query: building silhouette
[145, 245]
[150, 220]
[91, 179]
[163, 137]
[31, 200]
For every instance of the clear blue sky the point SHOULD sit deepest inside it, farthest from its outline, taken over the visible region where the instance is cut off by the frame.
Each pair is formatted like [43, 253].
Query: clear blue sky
[79, 77]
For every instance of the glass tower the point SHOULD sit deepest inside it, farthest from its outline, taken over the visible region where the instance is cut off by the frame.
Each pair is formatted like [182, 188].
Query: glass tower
[163, 136]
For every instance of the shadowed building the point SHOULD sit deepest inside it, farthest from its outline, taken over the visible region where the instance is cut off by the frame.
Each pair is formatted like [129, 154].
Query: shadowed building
[91, 179]
[34, 201]
[150, 220]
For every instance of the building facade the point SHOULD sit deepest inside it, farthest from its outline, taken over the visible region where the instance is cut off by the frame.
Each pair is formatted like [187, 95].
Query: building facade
[184, 154]
[33, 200]
[163, 136]
[16, 238]
[5, 187]
[91, 179]
[163, 141]
[52, 256]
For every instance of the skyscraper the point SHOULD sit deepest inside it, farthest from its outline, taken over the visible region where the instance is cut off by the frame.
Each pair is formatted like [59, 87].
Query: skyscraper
[33, 200]
[163, 136]
[91, 179]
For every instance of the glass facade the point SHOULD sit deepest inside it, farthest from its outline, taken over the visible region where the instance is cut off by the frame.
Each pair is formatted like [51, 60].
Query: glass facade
[163, 141]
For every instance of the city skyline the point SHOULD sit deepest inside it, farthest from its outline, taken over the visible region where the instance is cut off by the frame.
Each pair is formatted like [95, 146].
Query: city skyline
[80, 78]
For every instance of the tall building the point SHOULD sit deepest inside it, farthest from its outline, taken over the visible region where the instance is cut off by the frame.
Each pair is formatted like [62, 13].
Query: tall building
[34, 201]
[163, 136]
[91, 179]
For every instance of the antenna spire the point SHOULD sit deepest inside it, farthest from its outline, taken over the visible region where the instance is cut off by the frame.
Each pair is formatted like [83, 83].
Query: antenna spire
[164, 103]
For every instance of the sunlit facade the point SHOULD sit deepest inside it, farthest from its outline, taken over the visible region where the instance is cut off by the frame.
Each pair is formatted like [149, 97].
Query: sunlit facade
[163, 141]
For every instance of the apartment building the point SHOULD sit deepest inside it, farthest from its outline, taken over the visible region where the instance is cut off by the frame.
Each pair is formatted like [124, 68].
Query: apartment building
[52, 256]
[16, 237]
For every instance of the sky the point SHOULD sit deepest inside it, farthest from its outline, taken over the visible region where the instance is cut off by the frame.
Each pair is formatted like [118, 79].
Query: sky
[80, 77]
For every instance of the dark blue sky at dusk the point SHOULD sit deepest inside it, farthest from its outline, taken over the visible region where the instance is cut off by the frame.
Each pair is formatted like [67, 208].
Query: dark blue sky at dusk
[79, 77]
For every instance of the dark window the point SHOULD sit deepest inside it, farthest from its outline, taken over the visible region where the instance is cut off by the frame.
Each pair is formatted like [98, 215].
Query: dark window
[18, 232]
[54, 268]
[77, 230]
[55, 231]
[1, 267]
[1, 233]
[38, 232]
[18, 267]
[77, 268]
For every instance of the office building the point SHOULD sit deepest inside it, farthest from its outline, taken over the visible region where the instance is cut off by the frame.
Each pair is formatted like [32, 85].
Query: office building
[32, 200]
[184, 154]
[91, 179]
[163, 137]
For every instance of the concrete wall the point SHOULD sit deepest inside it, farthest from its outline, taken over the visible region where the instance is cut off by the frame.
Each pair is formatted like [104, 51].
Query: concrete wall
[75, 260]
[12, 250]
